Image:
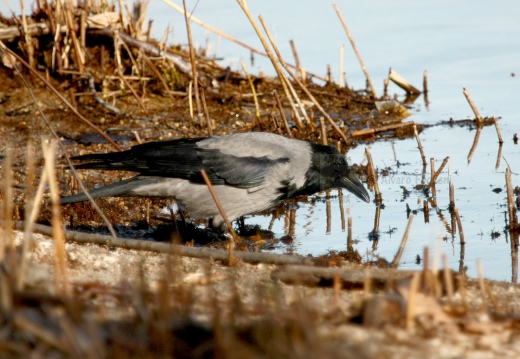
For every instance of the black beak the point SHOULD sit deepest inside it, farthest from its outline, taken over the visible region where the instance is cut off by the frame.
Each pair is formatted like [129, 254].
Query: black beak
[354, 185]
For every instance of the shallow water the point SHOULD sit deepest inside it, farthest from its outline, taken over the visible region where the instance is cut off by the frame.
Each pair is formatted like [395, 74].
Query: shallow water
[463, 43]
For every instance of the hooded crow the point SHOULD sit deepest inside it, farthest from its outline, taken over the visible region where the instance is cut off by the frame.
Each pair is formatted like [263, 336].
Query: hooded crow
[250, 172]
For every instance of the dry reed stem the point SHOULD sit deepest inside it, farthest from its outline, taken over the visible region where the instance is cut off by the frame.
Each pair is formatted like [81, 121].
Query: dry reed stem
[297, 60]
[341, 209]
[190, 100]
[28, 40]
[452, 195]
[281, 76]
[432, 179]
[60, 260]
[459, 224]
[497, 126]
[472, 105]
[230, 38]
[206, 114]
[304, 88]
[328, 207]
[395, 262]
[499, 156]
[234, 238]
[193, 61]
[350, 240]
[402, 83]
[282, 114]
[253, 90]
[448, 278]
[372, 131]
[323, 132]
[513, 219]
[475, 143]
[360, 59]
[419, 144]
[437, 173]
[425, 83]
[138, 99]
[379, 199]
[78, 51]
[410, 307]
[67, 103]
[426, 211]
[158, 75]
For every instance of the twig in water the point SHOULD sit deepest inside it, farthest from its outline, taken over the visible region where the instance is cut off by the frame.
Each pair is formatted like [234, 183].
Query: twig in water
[475, 143]
[437, 173]
[351, 39]
[419, 144]
[372, 131]
[498, 130]
[372, 173]
[222, 213]
[426, 212]
[402, 83]
[395, 262]
[513, 219]
[472, 105]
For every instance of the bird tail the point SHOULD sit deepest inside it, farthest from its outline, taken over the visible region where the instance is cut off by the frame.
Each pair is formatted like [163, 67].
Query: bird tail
[117, 189]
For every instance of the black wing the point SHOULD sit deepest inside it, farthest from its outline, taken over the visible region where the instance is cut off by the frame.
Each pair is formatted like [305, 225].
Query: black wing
[184, 159]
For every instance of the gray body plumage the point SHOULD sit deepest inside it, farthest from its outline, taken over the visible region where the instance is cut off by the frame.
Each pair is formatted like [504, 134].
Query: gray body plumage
[250, 172]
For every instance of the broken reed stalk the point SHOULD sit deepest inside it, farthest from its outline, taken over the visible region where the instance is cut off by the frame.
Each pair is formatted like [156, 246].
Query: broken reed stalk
[432, 178]
[223, 214]
[426, 211]
[472, 105]
[193, 61]
[379, 198]
[157, 74]
[397, 258]
[63, 99]
[281, 76]
[60, 260]
[419, 144]
[206, 113]
[437, 173]
[459, 224]
[350, 247]
[360, 59]
[513, 219]
[341, 209]
[253, 90]
[301, 107]
[402, 83]
[282, 114]
[190, 100]
[452, 195]
[28, 40]
[78, 51]
[498, 130]
[425, 83]
[303, 87]
[499, 156]
[296, 60]
[372, 131]
[137, 98]
[475, 143]
[230, 38]
[323, 132]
